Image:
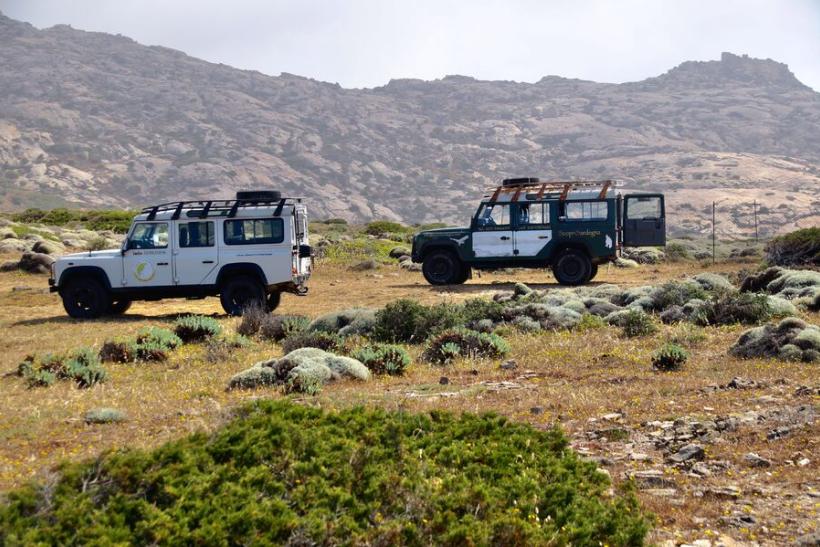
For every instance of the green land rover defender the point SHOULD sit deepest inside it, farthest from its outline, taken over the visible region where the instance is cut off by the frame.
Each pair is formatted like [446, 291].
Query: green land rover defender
[571, 227]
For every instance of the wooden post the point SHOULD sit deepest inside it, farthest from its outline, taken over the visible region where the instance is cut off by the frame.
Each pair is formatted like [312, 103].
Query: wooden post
[754, 205]
[713, 232]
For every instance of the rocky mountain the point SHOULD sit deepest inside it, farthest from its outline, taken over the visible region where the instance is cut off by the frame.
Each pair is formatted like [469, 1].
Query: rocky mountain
[91, 119]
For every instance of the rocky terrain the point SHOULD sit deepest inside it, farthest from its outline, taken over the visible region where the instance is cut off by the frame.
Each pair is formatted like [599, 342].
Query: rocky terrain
[100, 120]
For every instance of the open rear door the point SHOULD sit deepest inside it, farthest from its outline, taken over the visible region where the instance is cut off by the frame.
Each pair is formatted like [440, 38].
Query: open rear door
[644, 220]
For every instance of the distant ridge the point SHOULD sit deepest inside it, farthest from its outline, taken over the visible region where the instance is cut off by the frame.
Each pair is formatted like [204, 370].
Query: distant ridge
[92, 119]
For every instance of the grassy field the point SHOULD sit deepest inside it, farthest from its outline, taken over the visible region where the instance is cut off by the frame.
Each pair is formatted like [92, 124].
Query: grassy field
[573, 379]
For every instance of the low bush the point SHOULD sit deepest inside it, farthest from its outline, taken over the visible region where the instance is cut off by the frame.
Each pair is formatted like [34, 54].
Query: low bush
[791, 339]
[726, 308]
[398, 321]
[669, 357]
[676, 252]
[104, 416]
[279, 327]
[383, 358]
[119, 351]
[798, 248]
[476, 309]
[379, 227]
[327, 341]
[676, 293]
[444, 347]
[155, 344]
[637, 323]
[288, 474]
[196, 328]
[81, 366]
[346, 322]
[253, 317]
[590, 322]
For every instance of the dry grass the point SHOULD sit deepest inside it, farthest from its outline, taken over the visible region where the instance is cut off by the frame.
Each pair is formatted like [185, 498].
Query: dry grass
[574, 377]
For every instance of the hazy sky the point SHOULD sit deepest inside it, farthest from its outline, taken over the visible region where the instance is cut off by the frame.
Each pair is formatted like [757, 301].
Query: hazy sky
[365, 43]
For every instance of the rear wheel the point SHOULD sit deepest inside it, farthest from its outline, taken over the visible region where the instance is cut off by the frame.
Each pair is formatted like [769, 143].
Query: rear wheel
[572, 268]
[593, 272]
[274, 300]
[119, 307]
[85, 299]
[443, 268]
[241, 292]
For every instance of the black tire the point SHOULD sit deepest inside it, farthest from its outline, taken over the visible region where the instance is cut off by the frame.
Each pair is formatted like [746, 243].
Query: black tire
[464, 275]
[442, 268]
[119, 307]
[240, 292]
[572, 268]
[593, 272]
[274, 299]
[85, 298]
[267, 195]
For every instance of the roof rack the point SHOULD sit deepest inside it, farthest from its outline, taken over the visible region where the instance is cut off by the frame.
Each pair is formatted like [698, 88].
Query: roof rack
[562, 188]
[222, 207]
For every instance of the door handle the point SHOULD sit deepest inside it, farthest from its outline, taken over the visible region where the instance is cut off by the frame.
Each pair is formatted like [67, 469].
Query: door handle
[543, 237]
[207, 261]
[162, 263]
[504, 238]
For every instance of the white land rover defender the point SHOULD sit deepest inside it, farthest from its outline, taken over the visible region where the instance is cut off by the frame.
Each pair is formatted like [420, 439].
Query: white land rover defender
[248, 250]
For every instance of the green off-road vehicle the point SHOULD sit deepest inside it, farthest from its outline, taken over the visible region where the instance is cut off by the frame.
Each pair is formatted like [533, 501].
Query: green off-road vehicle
[571, 227]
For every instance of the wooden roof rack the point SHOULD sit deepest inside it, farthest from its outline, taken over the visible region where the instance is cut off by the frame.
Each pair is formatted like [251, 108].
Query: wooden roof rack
[561, 188]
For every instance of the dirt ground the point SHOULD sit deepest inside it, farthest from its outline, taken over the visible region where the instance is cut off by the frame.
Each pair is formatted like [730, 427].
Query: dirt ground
[596, 384]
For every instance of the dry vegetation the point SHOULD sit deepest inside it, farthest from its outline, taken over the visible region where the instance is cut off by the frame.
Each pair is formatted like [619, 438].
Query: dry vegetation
[570, 378]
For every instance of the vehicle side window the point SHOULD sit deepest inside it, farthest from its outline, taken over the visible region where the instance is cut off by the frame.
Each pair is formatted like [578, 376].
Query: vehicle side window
[494, 216]
[585, 210]
[533, 215]
[644, 208]
[196, 234]
[149, 235]
[254, 231]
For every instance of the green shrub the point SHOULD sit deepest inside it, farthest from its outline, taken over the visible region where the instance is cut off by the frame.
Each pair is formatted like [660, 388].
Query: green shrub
[476, 309]
[669, 357]
[676, 293]
[798, 248]
[81, 366]
[253, 317]
[383, 358]
[726, 308]
[155, 343]
[590, 322]
[378, 227]
[279, 327]
[196, 328]
[676, 252]
[284, 473]
[328, 341]
[445, 346]
[637, 323]
[399, 321]
[40, 378]
[346, 322]
[438, 318]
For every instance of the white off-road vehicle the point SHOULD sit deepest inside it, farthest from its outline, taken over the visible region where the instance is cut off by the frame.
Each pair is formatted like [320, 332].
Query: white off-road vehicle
[248, 250]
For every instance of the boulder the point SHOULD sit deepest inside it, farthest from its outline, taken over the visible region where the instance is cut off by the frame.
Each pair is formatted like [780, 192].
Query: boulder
[48, 247]
[36, 262]
[365, 265]
[398, 252]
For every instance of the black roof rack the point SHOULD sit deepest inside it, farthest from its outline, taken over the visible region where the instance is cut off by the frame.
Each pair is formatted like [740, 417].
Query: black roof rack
[223, 207]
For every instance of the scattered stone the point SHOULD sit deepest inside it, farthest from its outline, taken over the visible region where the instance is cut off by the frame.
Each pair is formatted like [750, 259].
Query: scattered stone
[398, 252]
[621, 262]
[36, 263]
[612, 416]
[806, 391]
[537, 410]
[639, 457]
[651, 478]
[365, 265]
[444, 380]
[808, 540]
[727, 492]
[754, 460]
[662, 492]
[803, 462]
[778, 433]
[738, 520]
[700, 469]
[687, 453]
[741, 383]
[510, 364]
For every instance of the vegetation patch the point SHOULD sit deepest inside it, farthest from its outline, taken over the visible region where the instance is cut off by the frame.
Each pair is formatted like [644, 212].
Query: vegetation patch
[81, 366]
[798, 248]
[669, 357]
[196, 328]
[328, 341]
[791, 339]
[383, 358]
[460, 342]
[726, 308]
[637, 323]
[281, 473]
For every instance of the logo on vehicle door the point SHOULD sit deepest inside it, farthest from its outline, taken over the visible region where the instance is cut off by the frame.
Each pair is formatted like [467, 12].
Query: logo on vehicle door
[144, 271]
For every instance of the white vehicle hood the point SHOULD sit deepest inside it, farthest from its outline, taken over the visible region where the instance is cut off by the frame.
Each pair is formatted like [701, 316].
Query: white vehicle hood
[91, 255]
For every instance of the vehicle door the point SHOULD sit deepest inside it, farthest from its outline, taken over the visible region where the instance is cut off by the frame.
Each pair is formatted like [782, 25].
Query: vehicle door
[302, 258]
[644, 220]
[532, 231]
[492, 231]
[196, 254]
[147, 256]
[262, 241]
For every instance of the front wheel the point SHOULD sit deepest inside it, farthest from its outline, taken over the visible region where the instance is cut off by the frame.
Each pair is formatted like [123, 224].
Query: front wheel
[442, 268]
[593, 272]
[85, 299]
[241, 292]
[572, 268]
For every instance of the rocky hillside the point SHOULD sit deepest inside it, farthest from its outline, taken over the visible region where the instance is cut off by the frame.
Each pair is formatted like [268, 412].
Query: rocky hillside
[100, 120]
